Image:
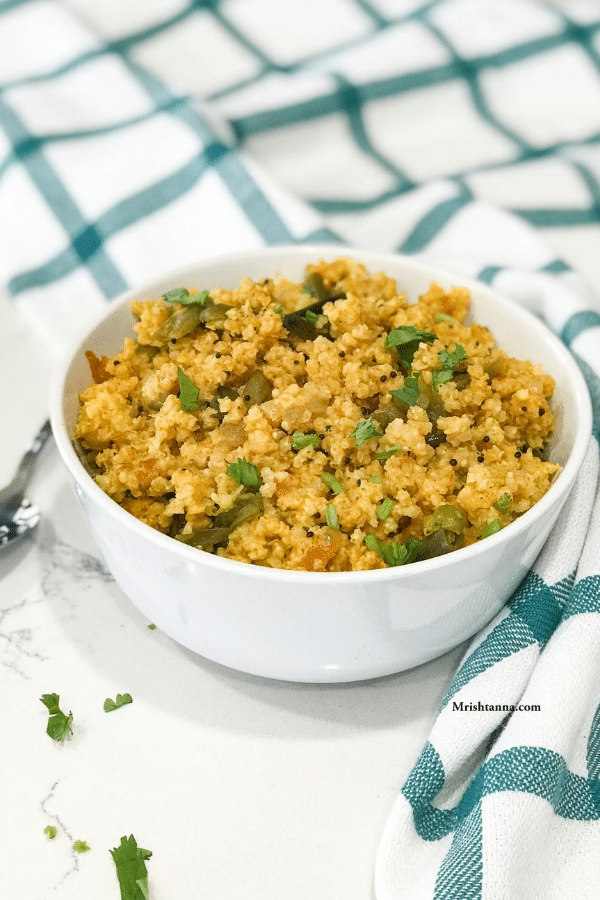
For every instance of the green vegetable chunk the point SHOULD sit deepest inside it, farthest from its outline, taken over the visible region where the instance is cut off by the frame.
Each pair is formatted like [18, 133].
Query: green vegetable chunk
[332, 483]
[257, 389]
[179, 323]
[385, 454]
[301, 440]
[59, 724]
[121, 700]
[189, 394]
[331, 516]
[130, 863]
[365, 430]
[244, 472]
[385, 509]
[50, 832]
[450, 518]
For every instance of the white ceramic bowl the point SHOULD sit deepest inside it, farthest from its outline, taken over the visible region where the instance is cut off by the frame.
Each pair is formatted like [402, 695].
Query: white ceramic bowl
[311, 626]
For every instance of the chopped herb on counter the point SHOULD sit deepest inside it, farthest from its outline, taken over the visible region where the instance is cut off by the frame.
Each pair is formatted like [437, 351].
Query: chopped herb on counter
[80, 847]
[59, 724]
[365, 430]
[244, 472]
[189, 394]
[130, 863]
[121, 700]
[50, 832]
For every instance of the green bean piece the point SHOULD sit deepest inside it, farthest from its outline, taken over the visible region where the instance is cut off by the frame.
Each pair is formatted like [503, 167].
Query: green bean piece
[298, 325]
[495, 367]
[438, 543]
[396, 409]
[245, 506]
[315, 286]
[301, 322]
[462, 380]
[257, 389]
[181, 321]
[146, 350]
[213, 312]
[87, 460]
[448, 517]
[205, 538]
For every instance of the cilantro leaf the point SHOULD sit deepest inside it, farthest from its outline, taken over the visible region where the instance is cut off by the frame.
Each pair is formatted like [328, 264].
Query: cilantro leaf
[129, 860]
[59, 724]
[393, 553]
[244, 472]
[491, 528]
[122, 700]
[80, 846]
[503, 502]
[301, 440]
[183, 296]
[332, 483]
[189, 394]
[406, 340]
[409, 391]
[448, 363]
[406, 334]
[365, 430]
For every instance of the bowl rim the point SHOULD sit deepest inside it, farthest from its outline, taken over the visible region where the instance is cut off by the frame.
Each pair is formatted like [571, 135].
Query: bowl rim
[305, 252]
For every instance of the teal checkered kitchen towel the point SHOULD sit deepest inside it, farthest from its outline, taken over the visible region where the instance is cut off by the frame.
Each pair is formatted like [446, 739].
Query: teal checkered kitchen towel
[137, 137]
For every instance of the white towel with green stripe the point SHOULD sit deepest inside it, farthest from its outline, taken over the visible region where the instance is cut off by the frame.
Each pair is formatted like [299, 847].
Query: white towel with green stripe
[138, 137]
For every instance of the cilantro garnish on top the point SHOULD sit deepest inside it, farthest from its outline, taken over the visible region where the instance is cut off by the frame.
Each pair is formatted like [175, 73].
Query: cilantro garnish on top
[448, 363]
[244, 472]
[189, 394]
[406, 340]
[183, 296]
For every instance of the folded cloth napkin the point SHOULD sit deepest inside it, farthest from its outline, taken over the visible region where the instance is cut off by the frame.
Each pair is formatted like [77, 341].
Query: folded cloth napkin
[465, 130]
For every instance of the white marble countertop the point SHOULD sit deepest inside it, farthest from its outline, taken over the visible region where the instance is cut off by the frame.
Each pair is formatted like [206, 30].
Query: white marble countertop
[241, 787]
